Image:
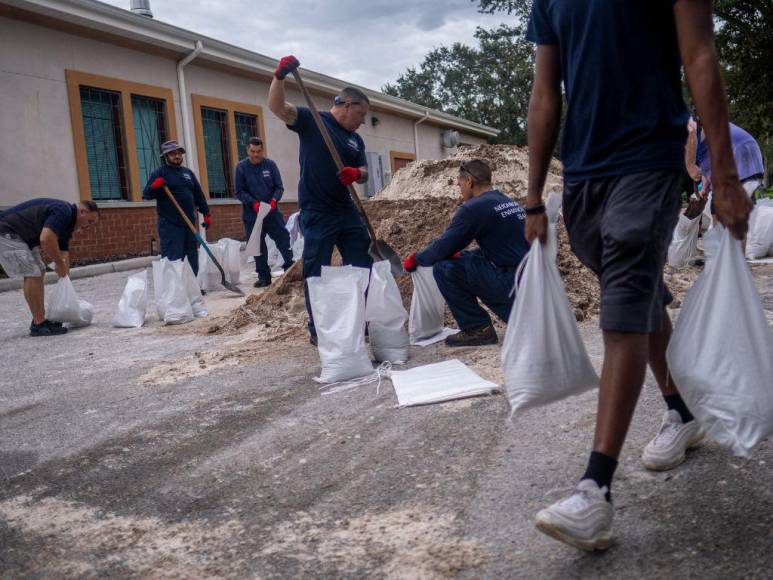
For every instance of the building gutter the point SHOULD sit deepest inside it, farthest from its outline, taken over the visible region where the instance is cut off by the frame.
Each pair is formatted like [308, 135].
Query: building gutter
[188, 140]
[416, 134]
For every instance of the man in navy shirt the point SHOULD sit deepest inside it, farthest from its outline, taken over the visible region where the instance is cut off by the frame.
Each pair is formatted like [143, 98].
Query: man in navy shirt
[47, 225]
[496, 223]
[258, 180]
[328, 216]
[623, 154]
[177, 241]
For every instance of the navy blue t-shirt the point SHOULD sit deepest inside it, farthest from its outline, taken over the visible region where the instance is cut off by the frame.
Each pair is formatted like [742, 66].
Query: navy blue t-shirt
[28, 219]
[494, 221]
[258, 182]
[620, 66]
[319, 188]
[186, 189]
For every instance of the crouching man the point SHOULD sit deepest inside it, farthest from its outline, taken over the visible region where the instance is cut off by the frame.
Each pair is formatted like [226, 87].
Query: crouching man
[47, 225]
[496, 223]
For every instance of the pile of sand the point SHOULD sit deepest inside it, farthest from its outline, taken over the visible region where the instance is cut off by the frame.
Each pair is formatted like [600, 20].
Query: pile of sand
[427, 178]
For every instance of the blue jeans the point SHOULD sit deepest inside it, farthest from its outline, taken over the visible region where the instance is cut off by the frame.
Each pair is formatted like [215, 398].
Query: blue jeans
[274, 227]
[324, 231]
[462, 281]
[178, 242]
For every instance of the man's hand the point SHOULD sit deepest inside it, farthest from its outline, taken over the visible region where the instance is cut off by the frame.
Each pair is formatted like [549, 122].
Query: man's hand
[349, 175]
[694, 207]
[207, 221]
[256, 207]
[732, 205]
[273, 204]
[410, 263]
[62, 269]
[286, 66]
[456, 256]
[158, 183]
[536, 227]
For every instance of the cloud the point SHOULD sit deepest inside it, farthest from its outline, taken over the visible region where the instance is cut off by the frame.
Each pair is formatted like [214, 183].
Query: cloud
[367, 43]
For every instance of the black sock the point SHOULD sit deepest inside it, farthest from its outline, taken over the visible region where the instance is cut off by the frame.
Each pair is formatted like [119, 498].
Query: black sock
[600, 469]
[675, 403]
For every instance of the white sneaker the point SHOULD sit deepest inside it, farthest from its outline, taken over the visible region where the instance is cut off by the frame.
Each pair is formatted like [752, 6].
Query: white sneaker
[582, 520]
[667, 449]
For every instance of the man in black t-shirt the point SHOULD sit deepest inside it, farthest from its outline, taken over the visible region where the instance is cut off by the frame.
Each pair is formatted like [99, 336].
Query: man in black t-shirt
[47, 225]
[622, 149]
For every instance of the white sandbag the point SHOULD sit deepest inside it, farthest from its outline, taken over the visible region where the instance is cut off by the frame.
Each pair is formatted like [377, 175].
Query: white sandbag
[195, 296]
[427, 306]
[170, 292]
[253, 243]
[298, 248]
[543, 356]
[759, 241]
[684, 243]
[65, 306]
[338, 306]
[386, 316]
[209, 275]
[134, 302]
[275, 260]
[711, 242]
[232, 263]
[293, 226]
[720, 354]
[438, 382]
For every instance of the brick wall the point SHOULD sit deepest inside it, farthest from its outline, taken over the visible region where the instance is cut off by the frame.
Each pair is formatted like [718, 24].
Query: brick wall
[127, 231]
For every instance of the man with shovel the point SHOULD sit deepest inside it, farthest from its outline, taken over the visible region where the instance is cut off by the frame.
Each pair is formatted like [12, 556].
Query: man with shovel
[328, 216]
[177, 241]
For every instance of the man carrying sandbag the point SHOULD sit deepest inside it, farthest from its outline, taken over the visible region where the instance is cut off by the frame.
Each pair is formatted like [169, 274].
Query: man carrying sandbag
[496, 223]
[258, 181]
[177, 241]
[328, 216]
[623, 153]
[41, 225]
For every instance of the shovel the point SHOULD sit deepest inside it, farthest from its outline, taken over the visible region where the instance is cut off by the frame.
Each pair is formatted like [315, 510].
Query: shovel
[379, 249]
[223, 281]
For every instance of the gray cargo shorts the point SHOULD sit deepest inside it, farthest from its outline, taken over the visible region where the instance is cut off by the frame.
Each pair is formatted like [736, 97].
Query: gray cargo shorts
[620, 227]
[18, 260]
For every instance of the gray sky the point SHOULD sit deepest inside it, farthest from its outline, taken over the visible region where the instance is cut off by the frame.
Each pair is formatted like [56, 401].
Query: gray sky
[366, 42]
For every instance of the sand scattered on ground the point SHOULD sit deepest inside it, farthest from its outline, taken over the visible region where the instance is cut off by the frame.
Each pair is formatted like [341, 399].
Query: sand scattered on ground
[407, 543]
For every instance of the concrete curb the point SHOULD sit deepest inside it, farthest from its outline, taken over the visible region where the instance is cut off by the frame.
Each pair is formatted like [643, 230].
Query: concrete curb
[86, 271]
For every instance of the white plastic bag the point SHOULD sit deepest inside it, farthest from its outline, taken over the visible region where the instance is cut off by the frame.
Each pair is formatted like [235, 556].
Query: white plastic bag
[543, 356]
[209, 276]
[438, 382]
[194, 292]
[427, 306]
[133, 302]
[720, 354]
[231, 259]
[711, 242]
[338, 305]
[759, 241]
[64, 305]
[170, 292]
[275, 260]
[253, 243]
[386, 316]
[684, 244]
[298, 248]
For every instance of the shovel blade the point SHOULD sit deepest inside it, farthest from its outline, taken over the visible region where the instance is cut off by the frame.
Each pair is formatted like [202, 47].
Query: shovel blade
[380, 250]
[232, 287]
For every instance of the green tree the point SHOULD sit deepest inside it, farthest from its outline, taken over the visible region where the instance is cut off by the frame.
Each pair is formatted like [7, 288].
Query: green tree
[519, 8]
[489, 84]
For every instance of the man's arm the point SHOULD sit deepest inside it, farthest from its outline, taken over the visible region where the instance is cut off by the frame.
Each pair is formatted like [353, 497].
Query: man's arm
[279, 187]
[49, 243]
[198, 196]
[240, 183]
[456, 238]
[279, 106]
[543, 125]
[694, 28]
[690, 150]
[149, 192]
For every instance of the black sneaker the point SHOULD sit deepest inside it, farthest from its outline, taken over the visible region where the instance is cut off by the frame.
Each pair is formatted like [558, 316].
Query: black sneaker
[46, 328]
[474, 337]
[262, 283]
[313, 340]
[52, 323]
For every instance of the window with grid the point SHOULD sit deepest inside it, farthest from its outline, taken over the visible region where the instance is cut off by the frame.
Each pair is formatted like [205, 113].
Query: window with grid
[215, 128]
[246, 127]
[150, 130]
[104, 143]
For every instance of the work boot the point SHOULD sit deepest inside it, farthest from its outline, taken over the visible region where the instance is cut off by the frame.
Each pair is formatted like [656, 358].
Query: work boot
[262, 283]
[46, 328]
[474, 337]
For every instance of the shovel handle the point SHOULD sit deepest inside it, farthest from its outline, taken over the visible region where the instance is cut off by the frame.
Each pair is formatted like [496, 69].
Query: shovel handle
[333, 152]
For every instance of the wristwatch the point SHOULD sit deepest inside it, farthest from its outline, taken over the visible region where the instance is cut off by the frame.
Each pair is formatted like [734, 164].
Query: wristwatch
[537, 209]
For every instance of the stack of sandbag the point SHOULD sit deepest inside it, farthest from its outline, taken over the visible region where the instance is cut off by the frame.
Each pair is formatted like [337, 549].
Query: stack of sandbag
[65, 306]
[177, 293]
[386, 316]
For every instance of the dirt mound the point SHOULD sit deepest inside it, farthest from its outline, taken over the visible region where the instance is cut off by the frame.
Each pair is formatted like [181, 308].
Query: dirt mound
[427, 178]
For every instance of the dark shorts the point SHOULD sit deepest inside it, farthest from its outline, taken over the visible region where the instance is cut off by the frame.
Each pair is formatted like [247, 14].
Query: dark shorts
[620, 227]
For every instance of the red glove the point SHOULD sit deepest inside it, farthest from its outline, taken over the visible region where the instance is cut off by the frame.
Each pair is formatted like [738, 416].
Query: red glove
[256, 206]
[273, 204]
[456, 255]
[410, 263]
[158, 183]
[349, 175]
[207, 221]
[287, 64]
